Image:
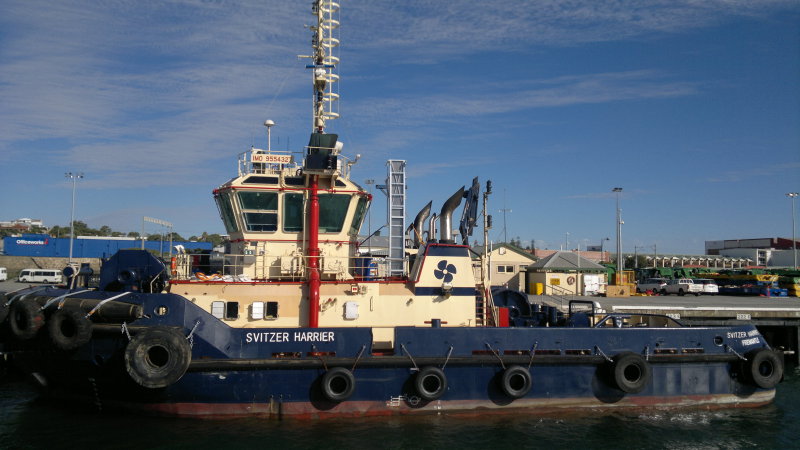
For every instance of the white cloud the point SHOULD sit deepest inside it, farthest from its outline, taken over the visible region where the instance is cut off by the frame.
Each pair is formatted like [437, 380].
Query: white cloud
[522, 95]
[441, 29]
[176, 85]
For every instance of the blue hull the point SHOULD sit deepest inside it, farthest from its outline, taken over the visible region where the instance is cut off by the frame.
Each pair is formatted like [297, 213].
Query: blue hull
[281, 372]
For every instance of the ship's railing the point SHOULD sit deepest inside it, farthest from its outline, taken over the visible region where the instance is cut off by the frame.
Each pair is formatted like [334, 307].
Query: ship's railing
[275, 161]
[292, 267]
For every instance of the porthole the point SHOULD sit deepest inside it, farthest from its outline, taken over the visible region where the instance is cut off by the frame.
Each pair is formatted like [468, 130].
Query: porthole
[718, 341]
[162, 310]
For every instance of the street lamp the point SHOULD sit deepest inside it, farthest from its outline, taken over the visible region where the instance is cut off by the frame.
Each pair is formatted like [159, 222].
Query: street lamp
[793, 195]
[74, 177]
[602, 255]
[620, 261]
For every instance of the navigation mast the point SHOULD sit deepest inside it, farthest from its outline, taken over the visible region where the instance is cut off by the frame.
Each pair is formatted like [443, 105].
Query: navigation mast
[321, 157]
[325, 43]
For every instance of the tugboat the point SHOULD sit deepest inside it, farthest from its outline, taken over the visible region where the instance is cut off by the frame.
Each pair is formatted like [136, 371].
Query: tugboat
[296, 322]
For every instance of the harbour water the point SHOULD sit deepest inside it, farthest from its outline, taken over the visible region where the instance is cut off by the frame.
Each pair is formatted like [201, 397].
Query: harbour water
[28, 422]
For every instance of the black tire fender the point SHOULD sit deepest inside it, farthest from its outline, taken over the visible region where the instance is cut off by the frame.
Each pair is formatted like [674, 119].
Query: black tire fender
[630, 372]
[338, 384]
[764, 368]
[26, 319]
[157, 357]
[516, 381]
[3, 309]
[430, 383]
[69, 328]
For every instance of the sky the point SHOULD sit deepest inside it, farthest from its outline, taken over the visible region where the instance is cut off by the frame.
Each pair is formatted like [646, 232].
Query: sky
[691, 106]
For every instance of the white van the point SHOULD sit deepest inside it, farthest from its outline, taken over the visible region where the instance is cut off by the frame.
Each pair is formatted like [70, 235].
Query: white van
[40, 276]
[3, 274]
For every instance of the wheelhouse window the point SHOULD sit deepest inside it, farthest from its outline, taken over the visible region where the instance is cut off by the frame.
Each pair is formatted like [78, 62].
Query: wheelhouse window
[226, 211]
[332, 212]
[260, 210]
[358, 217]
[292, 212]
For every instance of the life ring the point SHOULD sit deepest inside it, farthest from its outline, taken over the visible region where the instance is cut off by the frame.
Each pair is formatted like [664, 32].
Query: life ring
[516, 381]
[570, 280]
[157, 357]
[631, 373]
[430, 383]
[69, 328]
[338, 384]
[173, 266]
[764, 368]
[26, 318]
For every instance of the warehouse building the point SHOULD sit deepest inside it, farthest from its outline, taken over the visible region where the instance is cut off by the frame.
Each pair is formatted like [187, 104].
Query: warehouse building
[42, 245]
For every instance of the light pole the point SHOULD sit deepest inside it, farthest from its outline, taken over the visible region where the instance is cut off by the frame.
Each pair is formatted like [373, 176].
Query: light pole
[504, 211]
[602, 255]
[74, 177]
[620, 261]
[793, 195]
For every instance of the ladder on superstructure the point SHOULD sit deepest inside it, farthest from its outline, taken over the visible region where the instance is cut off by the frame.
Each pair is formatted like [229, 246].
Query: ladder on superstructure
[396, 190]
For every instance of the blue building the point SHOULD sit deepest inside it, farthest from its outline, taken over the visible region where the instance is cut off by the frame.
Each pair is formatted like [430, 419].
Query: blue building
[85, 246]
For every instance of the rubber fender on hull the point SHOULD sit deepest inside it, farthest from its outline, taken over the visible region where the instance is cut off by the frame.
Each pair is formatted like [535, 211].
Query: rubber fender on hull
[430, 383]
[3, 309]
[157, 357]
[516, 381]
[764, 368]
[630, 372]
[338, 384]
[69, 328]
[26, 318]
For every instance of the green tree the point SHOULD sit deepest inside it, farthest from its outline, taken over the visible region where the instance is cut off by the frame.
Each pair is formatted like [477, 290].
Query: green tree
[175, 237]
[38, 230]
[215, 239]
